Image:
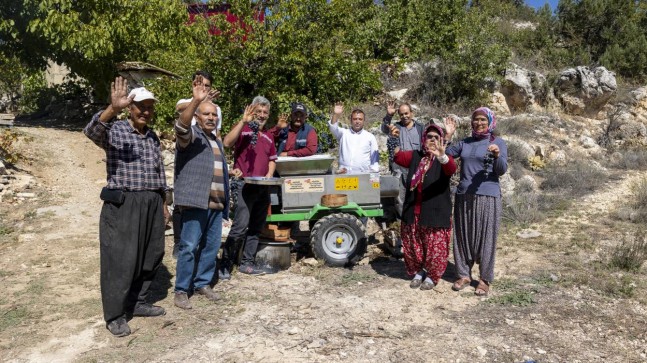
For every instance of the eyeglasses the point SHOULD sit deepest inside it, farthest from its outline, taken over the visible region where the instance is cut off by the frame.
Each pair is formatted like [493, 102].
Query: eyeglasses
[433, 137]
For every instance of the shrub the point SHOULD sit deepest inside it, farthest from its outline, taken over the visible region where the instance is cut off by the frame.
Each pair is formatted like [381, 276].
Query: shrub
[631, 253]
[7, 151]
[524, 206]
[577, 178]
[632, 159]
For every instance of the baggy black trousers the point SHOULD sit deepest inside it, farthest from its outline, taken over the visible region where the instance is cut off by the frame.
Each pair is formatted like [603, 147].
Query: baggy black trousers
[131, 236]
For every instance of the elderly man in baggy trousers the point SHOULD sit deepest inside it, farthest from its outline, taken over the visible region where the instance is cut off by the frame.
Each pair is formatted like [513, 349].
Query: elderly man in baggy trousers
[133, 216]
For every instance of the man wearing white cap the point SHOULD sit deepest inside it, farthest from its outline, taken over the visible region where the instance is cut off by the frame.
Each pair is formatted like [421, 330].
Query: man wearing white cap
[133, 216]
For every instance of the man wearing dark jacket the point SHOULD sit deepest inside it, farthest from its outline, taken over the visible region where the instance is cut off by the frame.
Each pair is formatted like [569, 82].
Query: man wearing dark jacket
[298, 139]
[202, 193]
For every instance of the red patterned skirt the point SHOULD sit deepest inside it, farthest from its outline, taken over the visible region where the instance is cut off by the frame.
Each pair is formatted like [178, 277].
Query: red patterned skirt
[425, 247]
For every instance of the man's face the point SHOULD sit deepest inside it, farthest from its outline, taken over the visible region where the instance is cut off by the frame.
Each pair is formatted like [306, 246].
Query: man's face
[357, 121]
[297, 120]
[406, 116]
[142, 112]
[207, 116]
[262, 114]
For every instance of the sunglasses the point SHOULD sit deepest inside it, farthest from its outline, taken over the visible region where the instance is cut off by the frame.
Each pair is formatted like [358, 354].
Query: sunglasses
[433, 137]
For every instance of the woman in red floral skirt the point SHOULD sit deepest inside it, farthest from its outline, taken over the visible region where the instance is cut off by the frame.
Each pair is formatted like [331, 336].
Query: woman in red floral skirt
[426, 215]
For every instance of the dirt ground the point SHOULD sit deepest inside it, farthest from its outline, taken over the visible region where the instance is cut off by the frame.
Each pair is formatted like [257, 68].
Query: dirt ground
[544, 305]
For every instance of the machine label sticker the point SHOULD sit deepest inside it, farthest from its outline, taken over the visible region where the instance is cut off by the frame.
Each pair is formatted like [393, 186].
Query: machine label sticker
[304, 185]
[375, 180]
[350, 183]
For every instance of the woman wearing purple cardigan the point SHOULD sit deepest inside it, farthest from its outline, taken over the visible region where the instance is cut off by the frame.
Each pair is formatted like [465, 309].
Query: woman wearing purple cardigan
[477, 207]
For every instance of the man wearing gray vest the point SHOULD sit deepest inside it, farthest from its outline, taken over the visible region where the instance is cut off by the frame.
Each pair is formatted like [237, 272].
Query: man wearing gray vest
[410, 139]
[202, 194]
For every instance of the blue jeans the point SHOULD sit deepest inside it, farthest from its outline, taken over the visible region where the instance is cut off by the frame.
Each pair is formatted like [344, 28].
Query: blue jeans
[199, 243]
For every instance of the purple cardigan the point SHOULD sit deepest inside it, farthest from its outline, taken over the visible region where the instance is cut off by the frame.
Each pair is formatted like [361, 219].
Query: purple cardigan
[472, 151]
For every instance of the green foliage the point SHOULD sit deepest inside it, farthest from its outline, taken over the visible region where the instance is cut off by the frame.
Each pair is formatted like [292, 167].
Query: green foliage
[8, 152]
[90, 37]
[467, 73]
[34, 86]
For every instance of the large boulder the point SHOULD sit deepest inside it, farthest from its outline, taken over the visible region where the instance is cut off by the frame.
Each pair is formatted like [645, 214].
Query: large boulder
[585, 92]
[524, 90]
[498, 104]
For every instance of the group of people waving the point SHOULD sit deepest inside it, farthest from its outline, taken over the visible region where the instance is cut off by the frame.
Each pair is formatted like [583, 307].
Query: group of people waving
[134, 213]
[424, 157]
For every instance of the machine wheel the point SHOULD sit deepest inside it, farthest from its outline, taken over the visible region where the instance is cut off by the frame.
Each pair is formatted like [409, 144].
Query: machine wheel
[339, 239]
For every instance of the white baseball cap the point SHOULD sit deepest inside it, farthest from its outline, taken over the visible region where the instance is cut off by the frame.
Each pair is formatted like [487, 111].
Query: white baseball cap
[142, 94]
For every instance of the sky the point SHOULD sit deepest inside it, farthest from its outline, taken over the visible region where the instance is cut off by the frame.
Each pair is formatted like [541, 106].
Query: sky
[540, 3]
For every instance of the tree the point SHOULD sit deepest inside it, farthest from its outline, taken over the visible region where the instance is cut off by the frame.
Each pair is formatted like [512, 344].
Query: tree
[90, 37]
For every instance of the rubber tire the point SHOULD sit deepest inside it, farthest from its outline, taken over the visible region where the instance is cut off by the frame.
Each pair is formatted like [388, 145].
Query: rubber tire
[351, 225]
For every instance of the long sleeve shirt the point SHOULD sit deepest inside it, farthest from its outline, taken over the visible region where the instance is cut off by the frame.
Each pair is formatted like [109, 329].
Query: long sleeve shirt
[294, 146]
[133, 160]
[358, 151]
[474, 179]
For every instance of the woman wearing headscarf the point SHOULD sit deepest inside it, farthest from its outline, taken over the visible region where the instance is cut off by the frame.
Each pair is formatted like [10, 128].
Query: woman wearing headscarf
[477, 208]
[426, 213]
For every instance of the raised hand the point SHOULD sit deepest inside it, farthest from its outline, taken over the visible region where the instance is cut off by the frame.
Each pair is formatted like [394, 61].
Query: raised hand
[119, 95]
[250, 113]
[437, 148]
[282, 122]
[390, 108]
[338, 109]
[200, 92]
[214, 94]
[450, 126]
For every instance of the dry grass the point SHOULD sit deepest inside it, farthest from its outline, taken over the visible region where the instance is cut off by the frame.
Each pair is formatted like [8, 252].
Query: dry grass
[631, 253]
[577, 178]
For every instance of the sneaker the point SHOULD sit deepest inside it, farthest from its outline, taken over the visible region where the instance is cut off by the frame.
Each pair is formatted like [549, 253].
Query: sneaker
[208, 292]
[415, 283]
[181, 300]
[144, 309]
[119, 327]
[427, 285]
[250, 269]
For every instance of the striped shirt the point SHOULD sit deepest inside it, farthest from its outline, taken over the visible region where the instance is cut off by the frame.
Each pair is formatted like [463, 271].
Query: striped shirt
[133, 160]
[217, 197]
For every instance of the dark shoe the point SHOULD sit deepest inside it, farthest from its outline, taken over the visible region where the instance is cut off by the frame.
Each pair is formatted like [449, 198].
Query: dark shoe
[415, 283]
[148, 310]
[224, 270]
[181, 300]
[119, 327]
[427, 285]
[208, 292]
[251, 269]
[223, 274]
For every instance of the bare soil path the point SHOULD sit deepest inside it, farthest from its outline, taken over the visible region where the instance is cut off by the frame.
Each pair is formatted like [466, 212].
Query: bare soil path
[50, 308]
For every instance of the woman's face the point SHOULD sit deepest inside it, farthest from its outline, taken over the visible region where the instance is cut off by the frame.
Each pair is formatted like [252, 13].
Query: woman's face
[480, 123]
[432, 139]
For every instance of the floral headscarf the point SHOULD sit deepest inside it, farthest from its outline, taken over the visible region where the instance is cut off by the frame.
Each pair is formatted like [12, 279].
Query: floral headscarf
[491, 123]
[428, 159]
